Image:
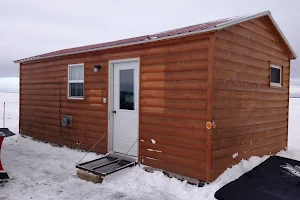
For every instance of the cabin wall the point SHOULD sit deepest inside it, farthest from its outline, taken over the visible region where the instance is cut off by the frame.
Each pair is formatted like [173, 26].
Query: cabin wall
[173, 102]
[173, 110]
[44, 102]
[251, 116]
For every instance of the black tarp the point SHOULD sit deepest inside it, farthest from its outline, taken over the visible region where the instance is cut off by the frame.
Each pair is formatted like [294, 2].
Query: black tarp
[277, 178]
[5, 132]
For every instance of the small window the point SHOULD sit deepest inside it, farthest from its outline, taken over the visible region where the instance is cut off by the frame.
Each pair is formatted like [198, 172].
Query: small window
[76, 81]
[127, 89]
[275, 75]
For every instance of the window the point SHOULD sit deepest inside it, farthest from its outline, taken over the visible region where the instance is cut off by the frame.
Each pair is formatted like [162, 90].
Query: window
[275, 75]
[76, 81]
[127, 89]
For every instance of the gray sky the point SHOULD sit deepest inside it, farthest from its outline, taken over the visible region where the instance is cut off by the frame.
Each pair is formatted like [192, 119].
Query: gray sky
[32, 27]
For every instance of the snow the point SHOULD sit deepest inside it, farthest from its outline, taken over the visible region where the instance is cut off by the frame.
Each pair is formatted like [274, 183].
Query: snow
[295, 171]
[294, 91]
[154, 150]
[235, 155]
[294, 116]
[41, 171]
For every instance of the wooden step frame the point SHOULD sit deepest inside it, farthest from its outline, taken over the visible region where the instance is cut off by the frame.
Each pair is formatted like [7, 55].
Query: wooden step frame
[84, 171]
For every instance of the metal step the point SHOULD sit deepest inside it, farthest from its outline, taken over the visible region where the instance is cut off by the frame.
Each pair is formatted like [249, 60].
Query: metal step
[105, 165]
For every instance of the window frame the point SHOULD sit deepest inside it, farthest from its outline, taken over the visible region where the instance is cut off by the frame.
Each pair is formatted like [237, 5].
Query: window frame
[75, 81]
[277, 67]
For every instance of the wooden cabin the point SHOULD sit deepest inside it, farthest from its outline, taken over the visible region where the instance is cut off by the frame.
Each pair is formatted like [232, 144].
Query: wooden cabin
[191, 101]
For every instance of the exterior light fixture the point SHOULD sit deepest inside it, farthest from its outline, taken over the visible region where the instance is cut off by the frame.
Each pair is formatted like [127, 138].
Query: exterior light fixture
[97, 68]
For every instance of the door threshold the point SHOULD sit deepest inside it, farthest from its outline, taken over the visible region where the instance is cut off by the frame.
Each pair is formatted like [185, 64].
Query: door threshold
[123, 156]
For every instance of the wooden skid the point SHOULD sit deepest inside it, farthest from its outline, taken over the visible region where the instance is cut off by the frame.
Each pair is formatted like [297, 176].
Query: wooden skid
[87, 176]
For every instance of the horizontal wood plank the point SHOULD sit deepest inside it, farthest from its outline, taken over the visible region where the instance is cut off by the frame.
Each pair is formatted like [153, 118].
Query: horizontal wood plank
[239, 76]
[260, 22]
[173, 94]
[247, 95]
[177, 104]
[172, 112]
[239, 122]
[235, 104]
[173, 122]
[173, 76]
[238, 130]
[242, 86]
[243, 139]
[174, 150]
[238, 67]
[190, 65]
[227, 152]
[242, 50]
[174, 140]
[170, 131]
[240, 58]
[222, 164]
[247, 112]
[248, 33]
[262, 31]
[174, 85]
[174, 168]
[172, 159]
[175, 57]
[241, 40]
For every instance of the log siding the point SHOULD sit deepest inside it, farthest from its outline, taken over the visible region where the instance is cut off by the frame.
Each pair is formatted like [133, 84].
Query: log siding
[173, 102]
[251, 116]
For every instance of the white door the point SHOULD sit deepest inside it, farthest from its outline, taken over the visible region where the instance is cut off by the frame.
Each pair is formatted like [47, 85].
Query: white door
[125, 107]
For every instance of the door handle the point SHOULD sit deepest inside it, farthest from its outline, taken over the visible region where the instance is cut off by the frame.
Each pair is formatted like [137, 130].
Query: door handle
[114, 111]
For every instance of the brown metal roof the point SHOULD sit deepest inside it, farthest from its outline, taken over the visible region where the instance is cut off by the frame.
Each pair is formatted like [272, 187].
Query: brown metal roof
[204, 27]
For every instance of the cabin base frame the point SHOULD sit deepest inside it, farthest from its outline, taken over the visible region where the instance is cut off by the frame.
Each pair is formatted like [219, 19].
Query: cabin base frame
[190, 180]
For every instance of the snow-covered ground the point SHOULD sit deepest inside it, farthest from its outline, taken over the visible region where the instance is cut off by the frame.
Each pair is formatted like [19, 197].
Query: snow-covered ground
[294, 120]
[40, 171]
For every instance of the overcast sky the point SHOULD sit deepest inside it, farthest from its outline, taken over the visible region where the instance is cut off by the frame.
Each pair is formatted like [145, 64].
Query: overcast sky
[32, 27]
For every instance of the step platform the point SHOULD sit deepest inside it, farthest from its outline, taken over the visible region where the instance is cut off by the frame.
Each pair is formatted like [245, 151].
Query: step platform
[3, 177]
[96, 170]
